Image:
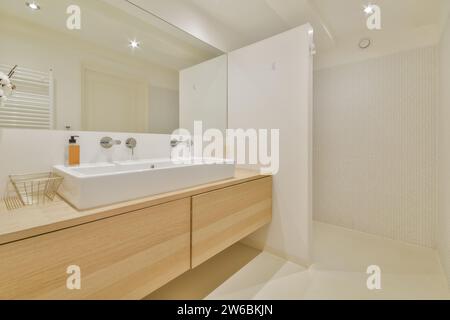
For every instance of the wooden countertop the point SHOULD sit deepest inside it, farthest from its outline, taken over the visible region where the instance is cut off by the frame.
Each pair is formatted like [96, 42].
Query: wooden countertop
[36, 220]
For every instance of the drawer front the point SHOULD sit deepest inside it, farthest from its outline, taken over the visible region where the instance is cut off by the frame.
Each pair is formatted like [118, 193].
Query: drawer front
[223, 217]
[123, 257]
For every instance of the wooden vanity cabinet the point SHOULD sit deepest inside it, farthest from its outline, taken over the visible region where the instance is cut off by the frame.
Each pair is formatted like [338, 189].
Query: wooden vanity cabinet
[131, 254]
[223, 217]
[122, 257]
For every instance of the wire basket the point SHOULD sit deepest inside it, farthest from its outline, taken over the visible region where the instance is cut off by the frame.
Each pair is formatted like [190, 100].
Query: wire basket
[32, 189]
[11, 199]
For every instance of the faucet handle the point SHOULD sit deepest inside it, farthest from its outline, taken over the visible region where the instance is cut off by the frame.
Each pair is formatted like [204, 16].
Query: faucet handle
[131, 144]
[108, 142]
[175, 142]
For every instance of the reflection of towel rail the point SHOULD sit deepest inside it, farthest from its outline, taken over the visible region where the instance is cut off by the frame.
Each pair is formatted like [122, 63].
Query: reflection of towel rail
[22, 70]
[35, 96]
[34, 82]
[25, 110]
[24, 125]
[32, 104]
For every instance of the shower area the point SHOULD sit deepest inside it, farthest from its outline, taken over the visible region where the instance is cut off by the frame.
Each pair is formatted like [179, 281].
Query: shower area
[382, 151]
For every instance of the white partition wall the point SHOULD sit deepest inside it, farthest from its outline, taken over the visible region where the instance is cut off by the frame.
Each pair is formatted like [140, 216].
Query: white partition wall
[270, 87]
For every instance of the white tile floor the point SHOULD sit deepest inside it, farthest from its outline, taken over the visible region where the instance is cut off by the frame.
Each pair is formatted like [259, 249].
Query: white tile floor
[341, 258]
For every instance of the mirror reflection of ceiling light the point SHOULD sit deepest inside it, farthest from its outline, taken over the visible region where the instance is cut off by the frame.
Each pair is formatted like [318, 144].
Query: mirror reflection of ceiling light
[134, 44]
[33, 5]
[368, 9]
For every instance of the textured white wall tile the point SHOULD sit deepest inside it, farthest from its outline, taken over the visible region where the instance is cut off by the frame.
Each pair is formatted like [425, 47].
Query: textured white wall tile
[375, 146]
[444, 155]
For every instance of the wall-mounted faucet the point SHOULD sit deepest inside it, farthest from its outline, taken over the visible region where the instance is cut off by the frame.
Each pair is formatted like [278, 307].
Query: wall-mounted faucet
[108, 142]
[131, 144]
[175, 142]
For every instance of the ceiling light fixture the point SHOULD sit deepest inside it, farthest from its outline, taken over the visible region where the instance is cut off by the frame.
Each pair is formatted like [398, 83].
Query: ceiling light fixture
[33, 5]
[134, 44]
[369, 9]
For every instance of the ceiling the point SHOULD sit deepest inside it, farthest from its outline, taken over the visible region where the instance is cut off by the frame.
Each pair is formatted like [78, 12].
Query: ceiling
[231, 24]
[111, 24]
[333, 20]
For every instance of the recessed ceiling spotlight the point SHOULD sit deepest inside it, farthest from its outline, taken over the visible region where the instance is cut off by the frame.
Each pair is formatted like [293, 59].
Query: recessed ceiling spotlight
[365, 43]
[369, 9]
[134, 44]
[33, 5]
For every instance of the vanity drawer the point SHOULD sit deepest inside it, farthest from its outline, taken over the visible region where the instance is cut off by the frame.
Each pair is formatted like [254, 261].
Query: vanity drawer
[223, 217]
[123, 257]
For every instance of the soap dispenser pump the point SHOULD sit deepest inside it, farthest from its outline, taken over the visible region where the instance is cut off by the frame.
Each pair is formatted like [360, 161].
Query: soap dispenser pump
[74, 151]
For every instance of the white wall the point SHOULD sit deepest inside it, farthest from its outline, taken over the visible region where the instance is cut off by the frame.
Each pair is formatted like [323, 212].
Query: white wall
[35, 47]
[375, 145]
[29, 151]
[444, 154]
[203, 95]
[270, 88]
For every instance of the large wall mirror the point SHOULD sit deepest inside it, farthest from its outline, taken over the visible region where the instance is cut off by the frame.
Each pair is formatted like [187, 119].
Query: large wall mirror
[124, 70]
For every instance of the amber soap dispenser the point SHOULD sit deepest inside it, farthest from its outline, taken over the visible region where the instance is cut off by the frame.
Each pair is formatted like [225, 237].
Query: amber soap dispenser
[74, 151]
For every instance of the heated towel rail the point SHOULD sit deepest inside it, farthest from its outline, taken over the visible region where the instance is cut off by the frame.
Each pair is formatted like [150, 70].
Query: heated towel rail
[32, 104]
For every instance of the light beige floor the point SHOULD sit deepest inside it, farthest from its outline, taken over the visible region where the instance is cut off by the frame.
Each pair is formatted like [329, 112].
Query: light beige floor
[341, 258]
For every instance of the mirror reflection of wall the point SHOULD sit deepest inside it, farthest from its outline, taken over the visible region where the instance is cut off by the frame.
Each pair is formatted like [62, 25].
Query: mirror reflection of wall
[204, 95]
[98, 81]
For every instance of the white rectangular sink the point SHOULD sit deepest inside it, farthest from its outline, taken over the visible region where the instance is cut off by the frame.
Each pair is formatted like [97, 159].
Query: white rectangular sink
[93, 185]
